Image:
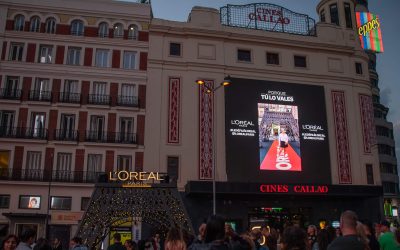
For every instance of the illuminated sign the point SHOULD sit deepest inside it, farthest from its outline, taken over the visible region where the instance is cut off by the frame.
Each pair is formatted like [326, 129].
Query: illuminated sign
[134, 179]
[269, 17]
[301, 189]
[369, 31]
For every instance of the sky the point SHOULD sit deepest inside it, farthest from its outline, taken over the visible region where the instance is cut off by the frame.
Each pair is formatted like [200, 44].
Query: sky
[388, 63]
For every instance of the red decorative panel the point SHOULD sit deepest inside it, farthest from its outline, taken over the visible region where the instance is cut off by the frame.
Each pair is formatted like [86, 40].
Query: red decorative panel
[22, 117]
[140, 129]
[342, 137]
[143, 61]
[26, 87]
[9, 24]
[139, 161]
[79, 159]
[3, 50]
[52, 123]
[109, 160]
[367, 119]
[142, 96]
[112, 122]
[60, 54]
[18, 158]
[30, 54]
[114, 93]
[56, 89]
[48, 159]
[174, 107]
[63, 29]
[85, 88]
[83, 115]
[143, 36]
[116, 56]
[91, 31]
[88, 57]
[206, 131]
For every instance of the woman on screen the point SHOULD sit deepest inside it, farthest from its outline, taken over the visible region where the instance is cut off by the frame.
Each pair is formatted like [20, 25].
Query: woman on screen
[33, 203]
[283, 142]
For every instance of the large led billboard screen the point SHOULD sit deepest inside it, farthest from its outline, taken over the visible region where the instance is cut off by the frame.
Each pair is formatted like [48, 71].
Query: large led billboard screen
[369, 31]
[276, 132]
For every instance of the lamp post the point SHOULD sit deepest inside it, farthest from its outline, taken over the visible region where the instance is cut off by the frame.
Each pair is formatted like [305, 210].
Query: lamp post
[211, 91]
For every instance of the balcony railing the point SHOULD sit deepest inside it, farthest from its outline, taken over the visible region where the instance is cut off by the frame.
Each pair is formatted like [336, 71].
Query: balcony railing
[10, 94]
[47, 175]
[41, 96]
[128, 101]
[110, 137]
[99, 99]
[66, 135]
[24, 133]
[68, 97]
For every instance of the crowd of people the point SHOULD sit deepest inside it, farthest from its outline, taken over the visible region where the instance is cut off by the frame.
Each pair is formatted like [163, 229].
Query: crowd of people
[215, 234]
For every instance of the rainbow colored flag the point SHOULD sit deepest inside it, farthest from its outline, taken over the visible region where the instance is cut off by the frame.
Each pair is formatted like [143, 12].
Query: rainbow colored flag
[369, 31]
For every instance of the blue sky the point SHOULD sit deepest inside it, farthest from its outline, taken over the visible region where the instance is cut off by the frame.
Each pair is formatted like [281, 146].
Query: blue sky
[388, 62]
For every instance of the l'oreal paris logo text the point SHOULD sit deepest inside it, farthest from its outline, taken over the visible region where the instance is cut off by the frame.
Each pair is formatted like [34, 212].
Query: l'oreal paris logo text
[313, 127]
[242, 124]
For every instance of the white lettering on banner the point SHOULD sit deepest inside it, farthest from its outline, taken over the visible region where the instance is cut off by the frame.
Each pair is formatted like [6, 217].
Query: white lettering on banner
[273, 95]
[242, 123]
[283, 163]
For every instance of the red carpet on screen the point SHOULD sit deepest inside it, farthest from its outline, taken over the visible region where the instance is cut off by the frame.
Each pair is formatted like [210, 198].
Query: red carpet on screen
[290, 161]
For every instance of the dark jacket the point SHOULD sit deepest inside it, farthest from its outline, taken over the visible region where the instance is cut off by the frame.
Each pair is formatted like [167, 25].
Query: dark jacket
[116, 246]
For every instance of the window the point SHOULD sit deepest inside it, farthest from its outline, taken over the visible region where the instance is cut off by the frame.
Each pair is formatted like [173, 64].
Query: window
[35, 24]
[126, 130]
[33, 160]
[77, 28]
[16, 51]
[322, 16]
[61, 203]
[300, 61]
[129, 59]
[73, 56]
[41, 90]
[45, 54]
[4, 201]
[94, 166]
[50, 25]
[102, 58]
[173, 168]
[244, 55]
[67, 127]
[334, 14]
[11, 90]
[96, 128]
[359, 69]
[38, 125]
[175, 49]
[272, 58]
[19, 23]
[63, 168]
[370, 174]
[347, 15]
[390, 187]
[124, 162]
[118, 30]
[85, 203]
[132, 32]
[103, 29]
[386, 149]
[127, 97]
[6, 123]
[388, 168]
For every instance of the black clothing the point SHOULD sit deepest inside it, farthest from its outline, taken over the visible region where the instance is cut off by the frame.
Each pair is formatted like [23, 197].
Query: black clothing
[348, 242]
[373, 243]
[116, 246]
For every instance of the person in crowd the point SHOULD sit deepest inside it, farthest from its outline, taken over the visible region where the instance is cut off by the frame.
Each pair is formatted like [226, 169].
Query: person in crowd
[42, 244]
[10, 242]
[369, 231]
[294, 238]
[311, 234]
[214, 236]
[27, 239]
[188, 237]
[130, 245]
[350, 239]
[387, 240]
[378, 231]
[202, 231]
[256, 235]
[283, 142]
[174, 240]
[76, 243]
[362, 235]
[272, 239]
[56, 244]
[117, 243]
[322, 241]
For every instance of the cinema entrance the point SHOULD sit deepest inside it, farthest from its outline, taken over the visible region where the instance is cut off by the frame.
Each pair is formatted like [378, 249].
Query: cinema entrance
[278, 217]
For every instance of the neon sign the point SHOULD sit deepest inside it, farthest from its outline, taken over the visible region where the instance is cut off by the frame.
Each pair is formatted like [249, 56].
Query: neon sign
[134, 179]
[369, 31]
[295, 189]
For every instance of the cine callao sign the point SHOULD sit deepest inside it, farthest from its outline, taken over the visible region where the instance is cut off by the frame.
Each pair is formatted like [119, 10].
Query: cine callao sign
[369, 31]
[293, 189]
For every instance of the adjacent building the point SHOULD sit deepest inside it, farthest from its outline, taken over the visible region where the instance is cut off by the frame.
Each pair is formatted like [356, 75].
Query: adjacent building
[72, 105]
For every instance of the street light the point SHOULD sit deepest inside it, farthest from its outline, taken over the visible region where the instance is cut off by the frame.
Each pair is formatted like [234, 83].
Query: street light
[211, 91]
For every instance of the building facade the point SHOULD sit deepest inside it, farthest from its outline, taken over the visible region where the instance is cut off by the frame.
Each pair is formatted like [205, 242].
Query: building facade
[73, 78]
[287, 73]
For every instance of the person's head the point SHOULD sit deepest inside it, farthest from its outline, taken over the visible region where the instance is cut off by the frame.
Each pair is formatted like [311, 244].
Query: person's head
[255, 234]
[283, 130]
[385, 226]
[348, 222]
[157, 237]
[56, 241]
[202, 231]
[10, 242]
[312, 230]
[28, 236]
[33, 202]
[117, 238]
[215, 228]
[174, 234]
[368, 228]
[294, 237]
[323, 239]
[130, 245]
[42, 244]
[75, 241]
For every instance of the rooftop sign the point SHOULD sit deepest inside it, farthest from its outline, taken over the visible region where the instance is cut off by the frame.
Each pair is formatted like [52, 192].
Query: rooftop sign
[269, 17]
[369, 31]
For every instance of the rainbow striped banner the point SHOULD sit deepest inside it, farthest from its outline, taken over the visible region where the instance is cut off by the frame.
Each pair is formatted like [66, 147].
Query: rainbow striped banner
[369, 31]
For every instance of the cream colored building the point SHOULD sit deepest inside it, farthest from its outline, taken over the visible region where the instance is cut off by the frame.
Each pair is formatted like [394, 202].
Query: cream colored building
[203, 48]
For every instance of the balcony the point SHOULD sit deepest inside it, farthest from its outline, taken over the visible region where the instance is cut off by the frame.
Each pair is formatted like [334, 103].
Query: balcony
[66, 135]
[49, 176]
[99, 99]
[40, 96]
[110, 137]
[23, 133]
[10, 94]
[68, 97]
[128, 101]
